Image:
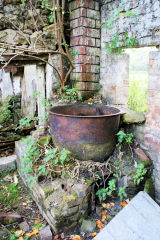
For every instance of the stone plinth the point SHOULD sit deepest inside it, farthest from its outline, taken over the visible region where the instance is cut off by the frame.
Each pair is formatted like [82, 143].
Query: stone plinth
[62, 202]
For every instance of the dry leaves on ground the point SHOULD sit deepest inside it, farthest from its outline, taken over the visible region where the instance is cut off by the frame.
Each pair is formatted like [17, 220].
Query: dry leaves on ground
[93, 234]
[100, 225]
[108, 205]
[76, 237]
[19, 232]
[124, 203]
[104, 212]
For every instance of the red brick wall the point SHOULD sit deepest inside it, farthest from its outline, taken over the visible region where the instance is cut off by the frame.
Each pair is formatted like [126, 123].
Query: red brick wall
[152, 126]
[85, 41]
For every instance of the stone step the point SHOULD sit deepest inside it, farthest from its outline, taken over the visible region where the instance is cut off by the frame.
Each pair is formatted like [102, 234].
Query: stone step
[8, 163]
[139, 220]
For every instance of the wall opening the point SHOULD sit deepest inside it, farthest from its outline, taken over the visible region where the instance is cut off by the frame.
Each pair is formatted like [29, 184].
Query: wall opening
[138, 78]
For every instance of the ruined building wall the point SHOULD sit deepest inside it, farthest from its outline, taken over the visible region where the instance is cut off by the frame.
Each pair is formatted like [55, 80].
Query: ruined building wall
[114, 73]
[144, 28]
[18, 28]
[24, 76]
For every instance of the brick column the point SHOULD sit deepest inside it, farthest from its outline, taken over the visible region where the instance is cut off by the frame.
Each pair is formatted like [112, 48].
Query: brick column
[85, 41]
[152, 129]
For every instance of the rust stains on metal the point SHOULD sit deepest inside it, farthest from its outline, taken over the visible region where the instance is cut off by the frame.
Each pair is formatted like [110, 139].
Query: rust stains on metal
[88, 131]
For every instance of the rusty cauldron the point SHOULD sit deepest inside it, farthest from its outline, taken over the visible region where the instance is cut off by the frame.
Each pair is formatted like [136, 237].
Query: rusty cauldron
[87, 131]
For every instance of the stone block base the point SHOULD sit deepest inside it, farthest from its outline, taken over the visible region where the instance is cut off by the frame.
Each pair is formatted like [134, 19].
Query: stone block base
[62, 202]
[8, 163]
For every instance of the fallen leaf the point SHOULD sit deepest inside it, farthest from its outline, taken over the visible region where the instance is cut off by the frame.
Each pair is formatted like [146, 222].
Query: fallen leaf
[76, 237]
[104, 212]
[112, 204]
[108, 205]
[104, 205]
[37, 220]
[19, 232]
[35, 231]
[123, 204]
[127, 200]
[103, 218]
[93, 234]
[99, 224]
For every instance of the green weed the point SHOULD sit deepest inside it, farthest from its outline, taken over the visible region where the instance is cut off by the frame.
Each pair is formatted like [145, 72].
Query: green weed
[69, 94]
[9, 193]
[103, 192]
[140, 173]
[124, 137]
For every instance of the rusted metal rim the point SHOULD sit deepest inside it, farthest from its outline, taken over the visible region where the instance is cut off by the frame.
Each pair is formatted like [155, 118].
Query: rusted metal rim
[53, 111]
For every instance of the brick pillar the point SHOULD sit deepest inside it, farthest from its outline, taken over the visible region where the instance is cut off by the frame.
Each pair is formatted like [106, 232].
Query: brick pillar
[152, 129]
[85, 41]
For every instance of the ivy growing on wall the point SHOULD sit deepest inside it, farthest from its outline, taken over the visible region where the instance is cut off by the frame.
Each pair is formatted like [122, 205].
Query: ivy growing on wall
[119, 40]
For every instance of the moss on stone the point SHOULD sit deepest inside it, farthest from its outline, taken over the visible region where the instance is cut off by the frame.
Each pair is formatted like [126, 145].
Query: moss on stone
[45, 140]
[56, 211]
[145, 163]
[90, 181]
[48, 192]
[61, 219]
[75, 195]
[68, 198]
[149, 187]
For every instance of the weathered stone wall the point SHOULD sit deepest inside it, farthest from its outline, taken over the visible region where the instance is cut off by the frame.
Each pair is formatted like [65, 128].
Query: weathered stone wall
[85, 40]
[114, 69]
[148, 133]
[115, 78]
[144, 27]
[32, 78]
[17, 26]
[24, 26]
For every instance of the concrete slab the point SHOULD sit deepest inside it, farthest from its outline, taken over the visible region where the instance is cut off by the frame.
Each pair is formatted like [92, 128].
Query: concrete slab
[139, 220]
[8, 163]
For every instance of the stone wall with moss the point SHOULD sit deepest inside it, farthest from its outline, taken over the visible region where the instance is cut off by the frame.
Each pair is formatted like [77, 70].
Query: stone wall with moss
[19, 22]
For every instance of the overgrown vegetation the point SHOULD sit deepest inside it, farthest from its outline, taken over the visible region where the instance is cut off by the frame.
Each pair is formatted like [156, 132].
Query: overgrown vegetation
[57, 10]
[135, 172]
[5, 112]
[103, 192]
[119, 40]
[47, 162]
[9, 193]
[137, 93]
[69, 94]
[112, 191]
[140, 173]
[8, 108]
[124, 137]
[43, 160]
[138, 78]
